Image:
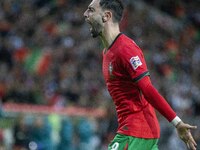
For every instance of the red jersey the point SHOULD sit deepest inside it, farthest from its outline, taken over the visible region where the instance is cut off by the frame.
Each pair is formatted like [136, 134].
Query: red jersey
[124, 65]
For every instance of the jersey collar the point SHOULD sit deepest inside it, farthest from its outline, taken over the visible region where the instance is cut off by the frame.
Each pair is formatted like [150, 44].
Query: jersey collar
[114, 40]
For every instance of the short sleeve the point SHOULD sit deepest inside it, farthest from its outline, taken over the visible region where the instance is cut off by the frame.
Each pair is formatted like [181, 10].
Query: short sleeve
[133, 61]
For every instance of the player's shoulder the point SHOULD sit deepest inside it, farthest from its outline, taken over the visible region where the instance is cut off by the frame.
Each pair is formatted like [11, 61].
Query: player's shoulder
[129, 41]
[127, 45]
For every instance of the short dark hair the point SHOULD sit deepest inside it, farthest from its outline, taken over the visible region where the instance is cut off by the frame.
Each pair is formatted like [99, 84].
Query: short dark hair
[116, 6]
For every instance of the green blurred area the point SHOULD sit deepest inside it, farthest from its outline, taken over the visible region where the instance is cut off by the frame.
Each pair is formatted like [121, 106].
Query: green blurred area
[7, 122]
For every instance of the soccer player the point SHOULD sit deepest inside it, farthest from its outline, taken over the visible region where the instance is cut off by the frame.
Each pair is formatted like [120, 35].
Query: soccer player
[128, 82]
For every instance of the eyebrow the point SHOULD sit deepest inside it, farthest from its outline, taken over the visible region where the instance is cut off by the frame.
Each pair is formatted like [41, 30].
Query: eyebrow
[90, 7]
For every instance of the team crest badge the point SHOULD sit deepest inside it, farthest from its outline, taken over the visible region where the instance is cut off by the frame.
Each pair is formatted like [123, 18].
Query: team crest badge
[135, 62]
[110, 69]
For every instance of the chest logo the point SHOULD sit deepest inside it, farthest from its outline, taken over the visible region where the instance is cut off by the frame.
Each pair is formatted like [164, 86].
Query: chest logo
[110, 70]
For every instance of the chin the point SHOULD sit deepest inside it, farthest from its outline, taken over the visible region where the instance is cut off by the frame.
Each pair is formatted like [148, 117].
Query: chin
[94, 35]
[95, 32]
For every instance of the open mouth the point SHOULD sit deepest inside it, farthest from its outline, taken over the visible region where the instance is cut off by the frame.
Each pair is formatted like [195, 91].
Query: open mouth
[90, 24]
[90, 28]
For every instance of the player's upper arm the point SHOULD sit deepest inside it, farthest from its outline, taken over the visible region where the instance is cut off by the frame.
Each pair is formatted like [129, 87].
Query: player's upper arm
[133, 62]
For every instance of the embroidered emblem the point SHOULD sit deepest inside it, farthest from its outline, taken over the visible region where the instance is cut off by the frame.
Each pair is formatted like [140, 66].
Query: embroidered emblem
[135, 62]
[110, 69]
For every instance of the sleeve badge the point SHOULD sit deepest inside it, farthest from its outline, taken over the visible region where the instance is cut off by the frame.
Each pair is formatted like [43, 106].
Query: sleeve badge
[135, 62]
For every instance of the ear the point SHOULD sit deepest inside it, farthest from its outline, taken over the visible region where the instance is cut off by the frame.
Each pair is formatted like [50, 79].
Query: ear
[107, 16]
[104, 19]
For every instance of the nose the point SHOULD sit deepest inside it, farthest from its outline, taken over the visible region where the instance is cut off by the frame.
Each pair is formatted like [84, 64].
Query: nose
[85, 14]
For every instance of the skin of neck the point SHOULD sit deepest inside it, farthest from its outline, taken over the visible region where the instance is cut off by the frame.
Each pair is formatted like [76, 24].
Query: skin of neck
[110, 32]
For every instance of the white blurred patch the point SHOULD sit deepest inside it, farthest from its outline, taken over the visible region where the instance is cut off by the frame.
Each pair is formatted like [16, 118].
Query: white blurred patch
[135, 62]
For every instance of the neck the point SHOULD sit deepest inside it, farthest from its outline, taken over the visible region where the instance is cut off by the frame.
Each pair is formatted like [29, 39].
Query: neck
[109, 34]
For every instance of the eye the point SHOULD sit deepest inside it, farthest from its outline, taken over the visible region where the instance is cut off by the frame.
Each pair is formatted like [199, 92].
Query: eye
[91, 9]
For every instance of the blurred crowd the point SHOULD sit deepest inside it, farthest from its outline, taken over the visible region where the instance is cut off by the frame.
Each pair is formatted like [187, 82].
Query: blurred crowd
[48, 57]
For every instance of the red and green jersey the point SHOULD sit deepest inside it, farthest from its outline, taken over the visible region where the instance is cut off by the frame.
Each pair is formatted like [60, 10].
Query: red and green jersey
[123, 66]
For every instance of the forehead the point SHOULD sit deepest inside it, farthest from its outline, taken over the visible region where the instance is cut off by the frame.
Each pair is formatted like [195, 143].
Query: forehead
[94, 4]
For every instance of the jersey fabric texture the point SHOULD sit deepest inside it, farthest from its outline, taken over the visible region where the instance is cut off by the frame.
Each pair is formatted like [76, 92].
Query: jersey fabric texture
[123, 66]
[124, 142]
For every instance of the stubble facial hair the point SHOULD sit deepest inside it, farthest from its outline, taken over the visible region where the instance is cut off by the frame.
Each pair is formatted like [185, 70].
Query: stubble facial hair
[96, 29]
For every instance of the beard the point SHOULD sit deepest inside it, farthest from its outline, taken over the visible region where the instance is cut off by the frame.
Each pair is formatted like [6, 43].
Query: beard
[96, 29]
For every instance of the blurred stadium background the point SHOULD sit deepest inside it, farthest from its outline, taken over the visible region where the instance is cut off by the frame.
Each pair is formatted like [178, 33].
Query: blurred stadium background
[52, 93]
